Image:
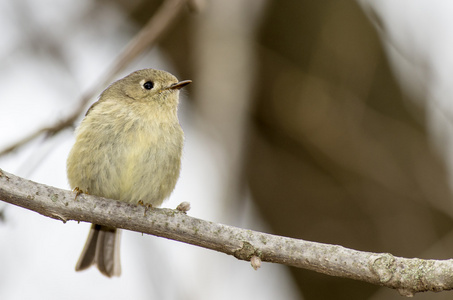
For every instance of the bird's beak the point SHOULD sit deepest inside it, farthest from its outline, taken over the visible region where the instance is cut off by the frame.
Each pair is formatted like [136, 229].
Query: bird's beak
[179, 85]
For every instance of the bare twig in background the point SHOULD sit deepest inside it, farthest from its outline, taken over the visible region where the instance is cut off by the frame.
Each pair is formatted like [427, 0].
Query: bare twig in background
[144, 39]
[408, 276]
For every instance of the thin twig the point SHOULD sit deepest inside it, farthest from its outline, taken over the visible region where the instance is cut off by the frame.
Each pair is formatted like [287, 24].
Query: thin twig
[408, 276]
[144, 39]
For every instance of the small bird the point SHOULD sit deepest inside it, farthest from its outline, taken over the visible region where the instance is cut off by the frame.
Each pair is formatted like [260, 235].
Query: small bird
[128, 148]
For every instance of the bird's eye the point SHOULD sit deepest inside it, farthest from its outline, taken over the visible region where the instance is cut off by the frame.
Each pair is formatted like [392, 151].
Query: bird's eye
[148, 85]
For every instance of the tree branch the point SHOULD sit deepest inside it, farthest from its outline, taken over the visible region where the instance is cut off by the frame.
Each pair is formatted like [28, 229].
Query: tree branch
[145, 38]
[408, 276]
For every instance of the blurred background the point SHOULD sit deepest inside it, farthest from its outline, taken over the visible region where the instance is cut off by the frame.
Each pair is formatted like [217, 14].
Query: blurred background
[328, 121]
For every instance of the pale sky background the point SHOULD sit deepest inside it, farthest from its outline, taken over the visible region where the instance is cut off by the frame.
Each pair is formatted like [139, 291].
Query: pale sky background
[418, 38]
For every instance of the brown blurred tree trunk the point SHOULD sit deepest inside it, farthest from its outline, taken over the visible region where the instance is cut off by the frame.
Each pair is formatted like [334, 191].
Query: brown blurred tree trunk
[334, 155]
